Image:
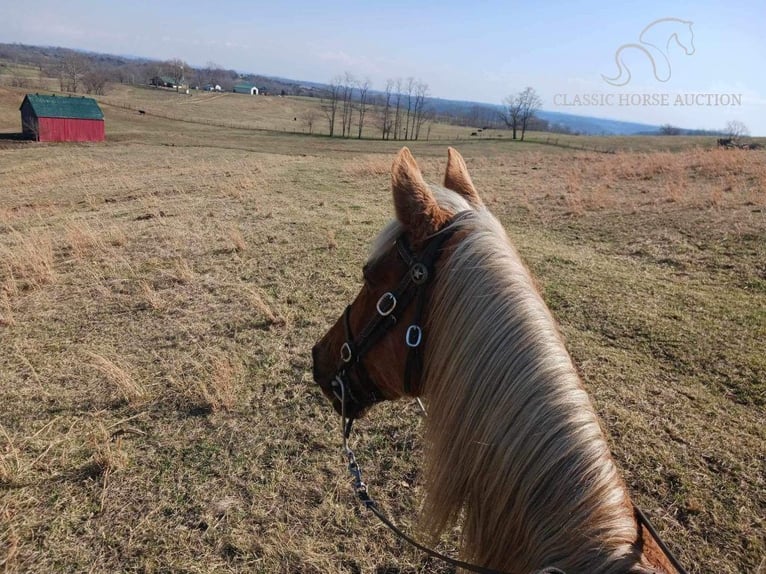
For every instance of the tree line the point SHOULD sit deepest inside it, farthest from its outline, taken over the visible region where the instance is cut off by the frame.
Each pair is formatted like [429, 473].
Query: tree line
[400, 112]
[86, 72]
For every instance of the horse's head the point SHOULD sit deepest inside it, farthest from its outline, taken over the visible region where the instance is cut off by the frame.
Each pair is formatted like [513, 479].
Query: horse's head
[685, 37]
[373, 351]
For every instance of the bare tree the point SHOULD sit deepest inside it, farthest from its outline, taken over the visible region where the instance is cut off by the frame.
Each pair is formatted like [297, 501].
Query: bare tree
[71, 71]
[669, 130]
[385, 106]
[95, 81]
[409, 86]
[330, 103]
[347, 109]
[128, 74]
[519, 109]
[511, 112]
[397, 115]
[421, 114]
[735, 130]
[177, 69]
[363, 87]
[531, 102]
[310, 116]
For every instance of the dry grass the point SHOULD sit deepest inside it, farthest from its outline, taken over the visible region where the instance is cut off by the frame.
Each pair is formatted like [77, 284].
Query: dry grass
[160, 293]
[375, 165]
[82, 239]
[237, 240]
[261, 307]
[28, 262]
[119, 377]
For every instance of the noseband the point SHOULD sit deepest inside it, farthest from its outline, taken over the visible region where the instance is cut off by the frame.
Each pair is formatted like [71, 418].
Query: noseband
[352, 384]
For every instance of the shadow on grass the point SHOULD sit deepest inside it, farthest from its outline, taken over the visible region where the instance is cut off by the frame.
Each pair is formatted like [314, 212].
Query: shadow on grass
[15, 136]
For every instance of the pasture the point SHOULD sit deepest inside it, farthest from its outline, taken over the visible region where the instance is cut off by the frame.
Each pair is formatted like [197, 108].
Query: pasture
[160, 294]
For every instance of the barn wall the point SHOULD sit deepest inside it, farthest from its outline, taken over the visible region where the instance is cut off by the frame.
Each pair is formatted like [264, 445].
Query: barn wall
[70, 130]
[28, 121]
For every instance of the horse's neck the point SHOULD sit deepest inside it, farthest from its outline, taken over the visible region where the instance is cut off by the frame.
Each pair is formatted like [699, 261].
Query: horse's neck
[513, 441]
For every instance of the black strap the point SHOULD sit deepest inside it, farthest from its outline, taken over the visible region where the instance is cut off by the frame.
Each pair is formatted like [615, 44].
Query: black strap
[641, 518]
[434, 554]
[411, 286]
[369, 503]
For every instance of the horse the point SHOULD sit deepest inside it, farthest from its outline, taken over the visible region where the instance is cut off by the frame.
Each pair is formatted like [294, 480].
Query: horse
[449, 312]
[655, 40]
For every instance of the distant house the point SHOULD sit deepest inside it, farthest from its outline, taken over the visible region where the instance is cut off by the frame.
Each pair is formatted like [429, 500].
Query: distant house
[212, 88]
[61, 119]
[163, 82]
[245, 89]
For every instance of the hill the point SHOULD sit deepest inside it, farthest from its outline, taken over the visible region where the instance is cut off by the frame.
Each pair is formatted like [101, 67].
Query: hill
[132, 70]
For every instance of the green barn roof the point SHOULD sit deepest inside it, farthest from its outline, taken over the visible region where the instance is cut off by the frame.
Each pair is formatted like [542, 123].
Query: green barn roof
[244, 88]
[64, 107]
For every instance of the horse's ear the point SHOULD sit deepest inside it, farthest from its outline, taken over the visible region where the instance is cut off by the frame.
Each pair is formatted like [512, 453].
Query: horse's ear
[415, 205]
[457, 179]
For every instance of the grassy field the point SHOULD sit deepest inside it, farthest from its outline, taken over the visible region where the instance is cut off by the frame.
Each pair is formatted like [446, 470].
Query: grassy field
[160, 293]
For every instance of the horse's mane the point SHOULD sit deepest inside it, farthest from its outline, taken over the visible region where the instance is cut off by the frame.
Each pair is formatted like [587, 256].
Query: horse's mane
[513, 443]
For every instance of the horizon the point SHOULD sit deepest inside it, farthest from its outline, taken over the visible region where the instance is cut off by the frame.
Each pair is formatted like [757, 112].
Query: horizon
[658, 63]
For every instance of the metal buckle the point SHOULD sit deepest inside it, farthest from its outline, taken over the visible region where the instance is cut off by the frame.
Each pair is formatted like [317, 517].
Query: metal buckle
[414, 336]
[419, 273]
[338, 389]
[386, 297]
[345, 353]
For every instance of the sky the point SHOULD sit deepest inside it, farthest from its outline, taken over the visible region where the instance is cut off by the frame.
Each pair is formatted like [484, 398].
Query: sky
[691, 64]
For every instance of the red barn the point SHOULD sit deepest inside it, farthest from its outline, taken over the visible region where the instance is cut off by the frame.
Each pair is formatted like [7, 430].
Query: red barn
[62, 119]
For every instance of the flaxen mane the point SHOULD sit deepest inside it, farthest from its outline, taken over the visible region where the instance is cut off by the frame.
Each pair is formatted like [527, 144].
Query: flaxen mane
[514, 445]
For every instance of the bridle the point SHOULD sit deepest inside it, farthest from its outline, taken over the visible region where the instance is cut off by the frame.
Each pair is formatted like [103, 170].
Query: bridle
[360, 391]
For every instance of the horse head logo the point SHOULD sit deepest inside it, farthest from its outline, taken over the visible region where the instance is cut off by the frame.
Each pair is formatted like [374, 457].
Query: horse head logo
[655, 41]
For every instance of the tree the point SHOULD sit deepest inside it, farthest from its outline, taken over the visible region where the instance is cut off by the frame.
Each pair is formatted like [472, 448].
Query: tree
[735, 129]
[519, 109]
[410, 87]
[397, 116]
[531, 102]
[403, 109]
[176, 69]
[385, 107]
[71, 71]
[363, 86]
[421, 113]
[214, 74]
[95, 80]
[347, 92]
[511, 112]
[310, 116]
[330, 103]
[669, 130]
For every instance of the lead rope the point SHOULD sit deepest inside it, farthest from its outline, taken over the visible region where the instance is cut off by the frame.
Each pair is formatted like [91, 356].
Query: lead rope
[360, 489]
[642, 518]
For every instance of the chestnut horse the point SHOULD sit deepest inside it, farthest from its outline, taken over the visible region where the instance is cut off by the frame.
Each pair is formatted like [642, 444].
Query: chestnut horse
[449, 312]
